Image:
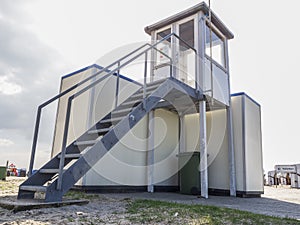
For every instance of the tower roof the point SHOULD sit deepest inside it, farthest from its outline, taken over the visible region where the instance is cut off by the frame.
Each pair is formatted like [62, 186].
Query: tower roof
[188, 12]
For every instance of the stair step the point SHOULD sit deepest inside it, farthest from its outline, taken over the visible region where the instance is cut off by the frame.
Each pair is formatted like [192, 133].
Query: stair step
[90, 142]
[49, 171]
[140, 95]
[100, 130]
[131, 102]
[156, 83]
[71, 156]
[150, 86]
[149, 89]
[112, 119]
[122, 110]
[33, 188]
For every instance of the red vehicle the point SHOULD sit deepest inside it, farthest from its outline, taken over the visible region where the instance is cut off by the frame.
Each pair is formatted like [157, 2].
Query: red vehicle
[12, 170]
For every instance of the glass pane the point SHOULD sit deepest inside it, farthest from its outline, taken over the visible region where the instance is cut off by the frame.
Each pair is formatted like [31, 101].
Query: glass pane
[162, 64]
[186, 64]
[220, 82]
[217, 47]
[186, 32]
[164, 33]
[164, 47]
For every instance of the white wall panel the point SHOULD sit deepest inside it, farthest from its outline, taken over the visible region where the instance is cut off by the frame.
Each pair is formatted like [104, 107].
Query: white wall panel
[253, 151]
[166, 136]
[237, 117]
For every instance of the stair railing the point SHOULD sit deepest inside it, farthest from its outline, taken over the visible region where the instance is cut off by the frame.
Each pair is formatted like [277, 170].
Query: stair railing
[109, 73]
[73, 96]
[43, 105]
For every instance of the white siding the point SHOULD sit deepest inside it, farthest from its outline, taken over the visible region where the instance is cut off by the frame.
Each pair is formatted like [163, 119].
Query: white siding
[125, 162]
[253, 151]
[103, 95]
[80, 106]
[237, 116]
[217, 146]
[247, 144]
[218, 170]
[191, 133]
[166, 131]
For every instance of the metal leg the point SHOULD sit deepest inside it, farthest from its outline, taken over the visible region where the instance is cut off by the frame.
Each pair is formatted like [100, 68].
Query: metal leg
[203, 150]
[150, 152]
[231, 153]
[182, 134]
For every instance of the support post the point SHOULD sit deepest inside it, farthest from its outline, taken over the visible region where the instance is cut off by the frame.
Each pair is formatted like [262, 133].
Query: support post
[150, 152]
[35, 138]
[203, 150]
[182, 147]
[150, 128]
[64, 144]
[231, 153]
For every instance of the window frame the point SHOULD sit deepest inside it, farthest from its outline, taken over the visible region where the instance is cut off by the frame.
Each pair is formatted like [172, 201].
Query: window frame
[224, 54]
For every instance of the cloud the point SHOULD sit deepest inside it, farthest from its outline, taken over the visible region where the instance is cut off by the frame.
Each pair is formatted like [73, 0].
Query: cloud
[6, 142]
[9, 88]
[30, 73]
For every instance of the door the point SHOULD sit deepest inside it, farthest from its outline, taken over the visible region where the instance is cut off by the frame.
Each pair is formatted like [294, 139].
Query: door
[181, 51]
[163, 54]
[186, 56]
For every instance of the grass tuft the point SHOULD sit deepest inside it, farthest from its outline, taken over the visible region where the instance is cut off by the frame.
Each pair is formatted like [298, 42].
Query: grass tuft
[149, 211]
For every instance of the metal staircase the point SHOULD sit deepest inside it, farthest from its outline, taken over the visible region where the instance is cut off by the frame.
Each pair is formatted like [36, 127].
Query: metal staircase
[58, 175]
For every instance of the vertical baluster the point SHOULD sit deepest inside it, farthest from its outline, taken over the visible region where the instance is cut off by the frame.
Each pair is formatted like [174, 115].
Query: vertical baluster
[64, 144]
[117, 85]
[145, 80]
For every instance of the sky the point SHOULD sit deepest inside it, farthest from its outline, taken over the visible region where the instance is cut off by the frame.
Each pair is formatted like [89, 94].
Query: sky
[40, 41]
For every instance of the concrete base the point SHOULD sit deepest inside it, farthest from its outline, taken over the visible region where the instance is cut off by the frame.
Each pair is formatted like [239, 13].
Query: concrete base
[22, 205]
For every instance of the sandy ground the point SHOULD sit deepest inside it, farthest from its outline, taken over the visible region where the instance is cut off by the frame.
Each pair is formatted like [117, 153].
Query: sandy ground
[111, 208]
[100, 210]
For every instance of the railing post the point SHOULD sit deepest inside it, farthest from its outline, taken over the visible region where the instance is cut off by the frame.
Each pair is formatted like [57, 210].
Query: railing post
[197, 72]
[171, 67]
[145, 80]
[201, 53]
[34, 143]
[117, 85]
[174, 56]
[64, 144]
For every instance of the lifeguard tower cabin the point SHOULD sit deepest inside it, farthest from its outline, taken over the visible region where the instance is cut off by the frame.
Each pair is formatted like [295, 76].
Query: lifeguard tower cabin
[160, 118]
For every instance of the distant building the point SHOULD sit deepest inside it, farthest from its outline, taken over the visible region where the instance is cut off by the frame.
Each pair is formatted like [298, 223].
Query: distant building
[285, 175]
